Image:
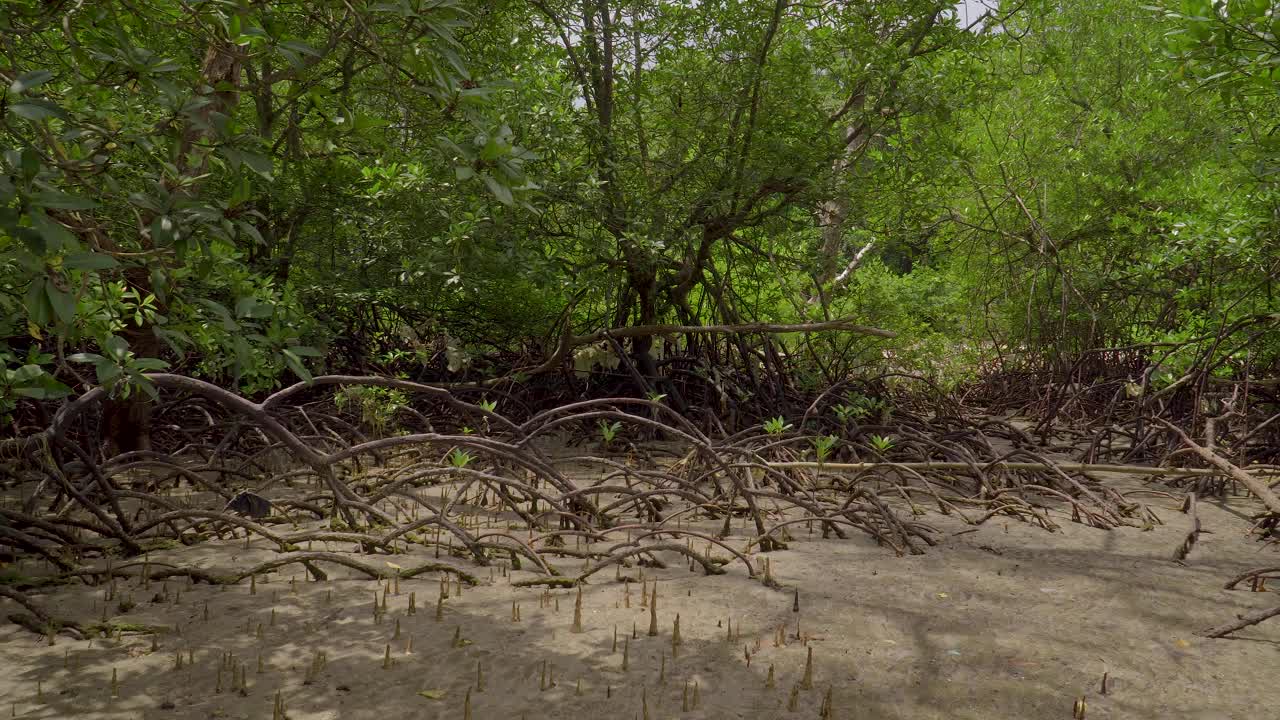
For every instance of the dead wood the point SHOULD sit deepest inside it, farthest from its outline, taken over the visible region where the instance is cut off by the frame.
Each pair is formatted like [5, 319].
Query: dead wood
[1255, 486]
[1242, 622]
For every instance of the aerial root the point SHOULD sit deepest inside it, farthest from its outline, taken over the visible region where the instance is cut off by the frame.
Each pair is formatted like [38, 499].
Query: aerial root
[475, 494]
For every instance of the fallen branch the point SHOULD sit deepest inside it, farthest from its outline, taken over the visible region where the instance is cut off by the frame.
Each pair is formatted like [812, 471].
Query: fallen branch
[160, 570]
[1256, 486]
[1028, 466]
[1244, 622]
[39, 621]
[1250, 575]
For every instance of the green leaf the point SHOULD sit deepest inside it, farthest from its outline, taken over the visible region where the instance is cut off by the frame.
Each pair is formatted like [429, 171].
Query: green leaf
[145, 385]
[476, 96]
[259, 164]
[455, 148]
[61, 201]
[30, 163]
[301, 47]
[29, 80]
[36, 302]
[41, 386]
[502, 192]
[251, 231]
[36, 110]
[149, 364]
[241, 193]
[455, 61]
[55, 236]
[295, 364]
[107, 372]
[366, 122]
[493, 149]
[89, 261]
[163, 231]
[85, 357]
[63, 303]
[26, 374]
[432, 694]
[53, 388]
[305, 351]
[116, 347]
[175, 339]
[35, 243]
[218, 308]
[159, 284]
[292, 57]
[249, 307]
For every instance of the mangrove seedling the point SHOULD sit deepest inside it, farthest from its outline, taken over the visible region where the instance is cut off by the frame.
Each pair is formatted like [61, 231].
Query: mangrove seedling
[609, 431]
[822, 446]
[776, 426]
[882, 443]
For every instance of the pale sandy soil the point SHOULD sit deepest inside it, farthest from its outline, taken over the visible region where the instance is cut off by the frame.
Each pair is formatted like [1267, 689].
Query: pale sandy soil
[989, 624]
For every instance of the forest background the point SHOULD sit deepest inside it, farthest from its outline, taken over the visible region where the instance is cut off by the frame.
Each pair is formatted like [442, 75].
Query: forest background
[455, 191]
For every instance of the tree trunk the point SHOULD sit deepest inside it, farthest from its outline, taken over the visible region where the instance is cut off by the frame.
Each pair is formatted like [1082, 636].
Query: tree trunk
[126, 422]
[833, 213]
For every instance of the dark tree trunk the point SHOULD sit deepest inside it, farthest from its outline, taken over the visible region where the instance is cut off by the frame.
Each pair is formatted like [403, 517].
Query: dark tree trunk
[126, 422]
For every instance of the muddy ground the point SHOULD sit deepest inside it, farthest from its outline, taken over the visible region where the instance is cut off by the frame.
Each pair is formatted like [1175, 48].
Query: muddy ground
[1008, 621]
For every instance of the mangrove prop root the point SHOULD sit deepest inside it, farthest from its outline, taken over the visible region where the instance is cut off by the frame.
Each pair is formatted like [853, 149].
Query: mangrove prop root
[383, 493]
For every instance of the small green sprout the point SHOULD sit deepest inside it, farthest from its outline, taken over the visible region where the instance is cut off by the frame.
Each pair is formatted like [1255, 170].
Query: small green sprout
[460, 458]
[882, 443]
[822, 446]
[846, 413]
[776, 426]
[609, 431]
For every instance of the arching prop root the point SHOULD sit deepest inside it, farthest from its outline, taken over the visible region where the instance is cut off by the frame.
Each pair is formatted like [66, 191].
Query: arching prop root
[476, 492]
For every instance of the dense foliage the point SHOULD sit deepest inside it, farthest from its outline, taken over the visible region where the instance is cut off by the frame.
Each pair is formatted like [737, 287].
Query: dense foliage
[246, 190]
